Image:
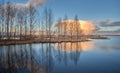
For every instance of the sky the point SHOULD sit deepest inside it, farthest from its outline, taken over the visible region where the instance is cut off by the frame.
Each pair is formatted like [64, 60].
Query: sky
[103, 13]
[86, 9]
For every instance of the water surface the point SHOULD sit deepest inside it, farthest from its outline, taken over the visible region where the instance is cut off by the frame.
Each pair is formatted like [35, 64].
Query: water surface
[96, 56]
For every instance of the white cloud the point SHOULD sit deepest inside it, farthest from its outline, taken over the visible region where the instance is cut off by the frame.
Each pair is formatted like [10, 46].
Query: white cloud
[32, 3]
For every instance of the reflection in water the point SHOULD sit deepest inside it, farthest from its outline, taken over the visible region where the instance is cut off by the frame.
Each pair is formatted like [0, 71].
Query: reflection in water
[72, 51]
[61, 57]
[39, 58]
[19, 59]
[76, 46]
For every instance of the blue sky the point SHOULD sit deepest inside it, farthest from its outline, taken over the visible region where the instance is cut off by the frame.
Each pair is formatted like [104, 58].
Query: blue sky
[86, 9]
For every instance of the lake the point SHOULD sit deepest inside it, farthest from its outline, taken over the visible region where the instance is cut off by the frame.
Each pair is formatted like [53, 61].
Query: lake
[95, 56]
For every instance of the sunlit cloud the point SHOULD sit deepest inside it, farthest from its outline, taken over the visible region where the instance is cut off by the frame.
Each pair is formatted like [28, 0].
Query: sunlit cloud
[83, 26]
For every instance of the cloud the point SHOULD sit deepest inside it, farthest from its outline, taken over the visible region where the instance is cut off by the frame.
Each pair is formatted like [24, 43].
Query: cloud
[103, 22]
[35, 3]
[108, 26]
[32, 3]
[83, 27]
[107, 23]
[19, 8]
[117, 23]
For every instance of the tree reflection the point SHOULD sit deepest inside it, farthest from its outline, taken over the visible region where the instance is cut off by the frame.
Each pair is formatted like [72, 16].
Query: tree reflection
[41, 59]
[71, 51]
[19, 59]
[75, 46]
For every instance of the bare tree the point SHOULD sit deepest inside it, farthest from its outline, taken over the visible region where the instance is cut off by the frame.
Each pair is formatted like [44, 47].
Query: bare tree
[65, 25]
[25, 26]
[71, 28]
[48, 22]
[77, 25]
[7, 11]
[59, 28]
[0, 25]
[21, 19]
[32, 20]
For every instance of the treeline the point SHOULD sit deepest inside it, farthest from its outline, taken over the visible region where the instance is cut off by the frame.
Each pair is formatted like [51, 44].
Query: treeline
[16, 22]
[23, 23]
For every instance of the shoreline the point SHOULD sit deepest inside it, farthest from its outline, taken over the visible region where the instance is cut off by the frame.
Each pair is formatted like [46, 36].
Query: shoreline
[17, 42]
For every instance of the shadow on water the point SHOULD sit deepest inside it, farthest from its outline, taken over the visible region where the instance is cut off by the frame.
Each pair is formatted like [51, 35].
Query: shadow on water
[38, 58]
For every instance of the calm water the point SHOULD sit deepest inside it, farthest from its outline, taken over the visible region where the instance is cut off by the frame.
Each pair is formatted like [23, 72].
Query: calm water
[96, 56]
